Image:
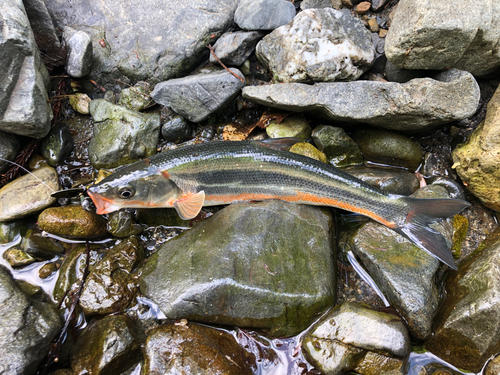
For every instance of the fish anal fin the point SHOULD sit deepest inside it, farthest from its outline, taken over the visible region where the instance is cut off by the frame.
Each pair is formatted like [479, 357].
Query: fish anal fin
[282, 144]
[189, 206]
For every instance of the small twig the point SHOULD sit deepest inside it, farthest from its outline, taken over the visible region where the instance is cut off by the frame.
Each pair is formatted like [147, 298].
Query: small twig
[98, 86]
[220, 62]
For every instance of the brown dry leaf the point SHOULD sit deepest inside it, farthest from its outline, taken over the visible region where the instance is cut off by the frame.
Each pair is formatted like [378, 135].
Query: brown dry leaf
[237, 132]
[268, 116]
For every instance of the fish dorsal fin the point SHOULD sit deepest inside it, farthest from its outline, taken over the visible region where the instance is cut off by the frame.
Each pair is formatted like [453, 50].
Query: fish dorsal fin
[283, 144]
[190, 206]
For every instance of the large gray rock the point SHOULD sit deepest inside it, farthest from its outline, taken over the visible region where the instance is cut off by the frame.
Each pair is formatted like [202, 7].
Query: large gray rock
[234, 48]
[145, 39]
[79, 59]
[442, 34]
[267, 265]
[42, 26]
[121, 136]
[197, 97]
[263, 14]
[26, 328]
[24, 105]
[318, 45]
[413, 106]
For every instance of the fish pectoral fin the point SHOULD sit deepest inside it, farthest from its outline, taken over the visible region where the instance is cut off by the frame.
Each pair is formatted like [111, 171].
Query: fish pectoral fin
[190, 206]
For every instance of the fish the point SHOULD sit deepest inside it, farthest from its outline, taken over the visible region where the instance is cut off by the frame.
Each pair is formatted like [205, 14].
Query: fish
[221, 173]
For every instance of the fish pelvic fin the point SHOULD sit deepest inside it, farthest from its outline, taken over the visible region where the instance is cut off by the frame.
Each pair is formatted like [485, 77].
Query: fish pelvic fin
[189, 207]
[282, 144]
[424, 212]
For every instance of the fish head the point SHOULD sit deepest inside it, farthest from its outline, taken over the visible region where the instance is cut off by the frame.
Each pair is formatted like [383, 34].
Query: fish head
[135, 186]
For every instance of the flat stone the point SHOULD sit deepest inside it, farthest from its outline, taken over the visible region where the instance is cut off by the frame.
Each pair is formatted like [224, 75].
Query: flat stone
[197, 97]
[263, 14]
[139, 40]
[318, 45]
[413, 106]
[24, 104]
[26, 328]
[234, 48]
[250, 265]
[477, 162]
[28, 194]
[439, 35]
[79, 58]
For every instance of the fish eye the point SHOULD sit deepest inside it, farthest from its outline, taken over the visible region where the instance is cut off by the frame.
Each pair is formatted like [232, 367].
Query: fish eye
[126, 192]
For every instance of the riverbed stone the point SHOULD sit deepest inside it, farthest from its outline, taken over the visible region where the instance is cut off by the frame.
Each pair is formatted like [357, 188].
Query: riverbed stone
[477, 162]
[390, 180]
[307, 149]
[28, 194]
[319, 45]
[403, 272]
[417, 105]
[79, 58]
[343, 338]
[338, 146]
[24, 105]
[251, 264]
[176, 129]
[121, 136]
[385, 147]
[27, 328]
[136, 97]
[263, 14]
[57, 145]
[122, 224]
[39, 246]
[139, 40]
[292, 126]
[467, 329]
[80, 103]
[18, 258]
[198, 96]
[189, 348]
[110, 286]
[106, 346]
[72, 221]
[9, 147]
[234, 48]
[440, 35]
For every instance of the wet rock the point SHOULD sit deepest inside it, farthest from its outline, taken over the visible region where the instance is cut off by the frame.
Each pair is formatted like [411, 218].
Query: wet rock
[392, 181]
[80, 103]
[24, 105]
[304, 51]
[72, 221]
[338, 147]
[106, 346]
[404, 273]
[292, 126]
[467, 330]
[493, 367]
[308, 150]
[158, 51]
[79, 58]
[121, 224]
[136, 97]
[9, 231]
[234, 48]
[28, 194]
[39, 246]
[350, 333]
[389, 148]
[57, 145]
[250, 265]
[18, 258]
[477, 162]
[27, 328]
[430, 35]
[176, 129]
[47, 270]
[121, 136]
[413, 106]
[9, 147]
[110, 285]
[197, 97]
[375, 363]
[263, 14]
[72, 269]
[454, 188]
[183, 348]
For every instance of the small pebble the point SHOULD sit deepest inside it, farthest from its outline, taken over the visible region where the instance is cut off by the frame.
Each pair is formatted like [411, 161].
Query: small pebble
[363, 7]
[47, 270]
[80, 103]
[372, 23]
[382, 33]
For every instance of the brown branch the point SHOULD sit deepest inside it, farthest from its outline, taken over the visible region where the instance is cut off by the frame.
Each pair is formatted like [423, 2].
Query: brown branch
[220, 62]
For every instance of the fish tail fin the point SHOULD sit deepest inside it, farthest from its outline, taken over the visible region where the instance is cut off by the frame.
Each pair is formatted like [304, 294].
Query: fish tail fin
[423, 212]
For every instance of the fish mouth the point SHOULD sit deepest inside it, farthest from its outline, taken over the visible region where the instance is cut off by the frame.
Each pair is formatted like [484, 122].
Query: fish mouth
[103, 205]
